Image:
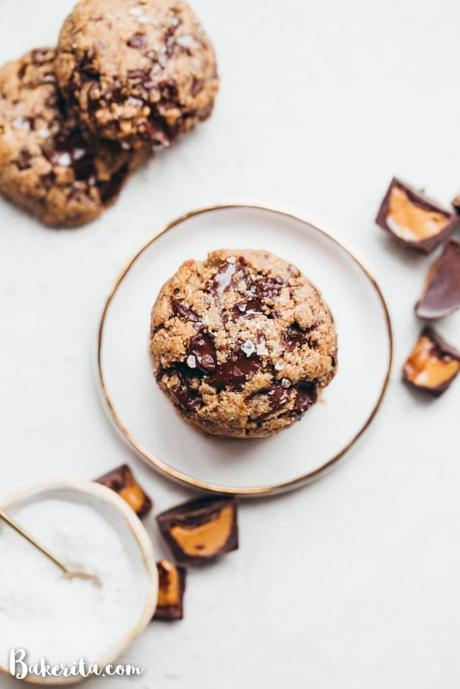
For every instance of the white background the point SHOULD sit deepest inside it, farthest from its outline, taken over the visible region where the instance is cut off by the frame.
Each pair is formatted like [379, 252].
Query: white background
[353, 582]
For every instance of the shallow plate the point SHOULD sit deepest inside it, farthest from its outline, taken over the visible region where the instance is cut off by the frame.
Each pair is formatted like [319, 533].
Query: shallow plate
[146, 418]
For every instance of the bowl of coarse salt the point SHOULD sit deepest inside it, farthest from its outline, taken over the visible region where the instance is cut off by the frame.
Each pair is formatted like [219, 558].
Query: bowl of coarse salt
[90, 528]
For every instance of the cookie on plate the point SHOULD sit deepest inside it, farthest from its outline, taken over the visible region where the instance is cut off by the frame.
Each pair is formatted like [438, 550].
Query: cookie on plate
[242, 343]
[49, 165]
[141, 72]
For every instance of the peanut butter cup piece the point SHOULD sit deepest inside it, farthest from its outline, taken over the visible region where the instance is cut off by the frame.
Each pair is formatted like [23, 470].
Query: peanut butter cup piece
[171, 588]
[122, 481]
[433, 364]
[413, 219]
[441, 292]
[200, 530]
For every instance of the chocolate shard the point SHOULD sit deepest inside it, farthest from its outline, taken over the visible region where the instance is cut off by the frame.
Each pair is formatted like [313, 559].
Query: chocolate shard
[200, 530]
[122, 481]
[433, 364]
[441, 292]
[413, 219]
[171, 588]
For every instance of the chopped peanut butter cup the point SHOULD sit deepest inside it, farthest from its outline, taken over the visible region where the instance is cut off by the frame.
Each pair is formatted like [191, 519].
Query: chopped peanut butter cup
[170, 592]
[200, 530]
[441, 292]
[414, 219]
[122, 481]
[433, 364]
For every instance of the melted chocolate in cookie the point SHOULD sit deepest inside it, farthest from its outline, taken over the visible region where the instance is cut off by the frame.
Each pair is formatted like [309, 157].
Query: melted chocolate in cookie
[23, 161]
[186, 397]
[307, 395]
[180, 308]
[295, 336]
[277, 397]
[245, 309]
[267, 287]
[235, 372]
[69, 149]
[203, 349]
[111, 188]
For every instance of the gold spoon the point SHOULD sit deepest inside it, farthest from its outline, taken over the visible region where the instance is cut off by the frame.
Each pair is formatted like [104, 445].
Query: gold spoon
[68, 572]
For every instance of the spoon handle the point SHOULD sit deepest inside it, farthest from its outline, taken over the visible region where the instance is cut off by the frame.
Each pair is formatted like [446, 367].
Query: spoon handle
[18, 528]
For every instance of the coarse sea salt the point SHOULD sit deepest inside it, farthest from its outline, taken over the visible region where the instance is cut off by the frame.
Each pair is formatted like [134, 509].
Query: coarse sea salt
[55, 618]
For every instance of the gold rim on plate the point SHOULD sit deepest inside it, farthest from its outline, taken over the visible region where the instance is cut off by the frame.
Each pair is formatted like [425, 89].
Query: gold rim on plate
[197, 484]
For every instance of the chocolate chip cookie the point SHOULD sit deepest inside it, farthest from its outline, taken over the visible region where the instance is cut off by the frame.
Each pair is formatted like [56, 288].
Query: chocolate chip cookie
[242, 343]
[49, 165]
[141, 72]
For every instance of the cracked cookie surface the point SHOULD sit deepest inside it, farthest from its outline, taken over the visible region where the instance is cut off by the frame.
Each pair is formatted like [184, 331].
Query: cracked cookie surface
[242, 343]
[142, 72]
[49, 165]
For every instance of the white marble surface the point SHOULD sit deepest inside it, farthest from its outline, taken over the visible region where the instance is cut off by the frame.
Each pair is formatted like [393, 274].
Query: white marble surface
[353, 582]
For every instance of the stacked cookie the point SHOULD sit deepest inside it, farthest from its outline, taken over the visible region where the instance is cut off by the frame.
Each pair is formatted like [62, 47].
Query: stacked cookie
[127, 77]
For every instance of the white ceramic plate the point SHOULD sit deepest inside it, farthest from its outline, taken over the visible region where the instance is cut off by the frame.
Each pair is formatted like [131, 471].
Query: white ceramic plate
[146, 418]
[136, 545]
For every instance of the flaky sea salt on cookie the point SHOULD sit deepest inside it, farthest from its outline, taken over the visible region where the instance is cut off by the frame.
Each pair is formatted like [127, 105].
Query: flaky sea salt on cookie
[242, 343]
[142, 72]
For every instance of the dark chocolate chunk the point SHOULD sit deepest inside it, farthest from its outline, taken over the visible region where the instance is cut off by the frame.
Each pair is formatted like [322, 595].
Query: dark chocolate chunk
[122, 481]
[155, 132]
[183, 392]
[307, 395]
[203, 349]
[86, 69]
[70, 149]
[171, 588]
[111, 188]
[266, 287]
[235, 372]
[277, 396]
[180, 308]
[246, 309]
[414, 219]
[433, 364]
[23, 161]
[441, 292]
[168, 89]
[295, 336]
[200, 530]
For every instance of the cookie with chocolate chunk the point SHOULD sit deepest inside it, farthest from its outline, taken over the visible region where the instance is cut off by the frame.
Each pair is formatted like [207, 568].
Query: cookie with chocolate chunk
[141, 72]
[242, 343]
[49, 165]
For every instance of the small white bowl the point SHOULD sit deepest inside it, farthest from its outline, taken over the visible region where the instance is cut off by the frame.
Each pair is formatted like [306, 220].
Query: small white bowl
[134, 537]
